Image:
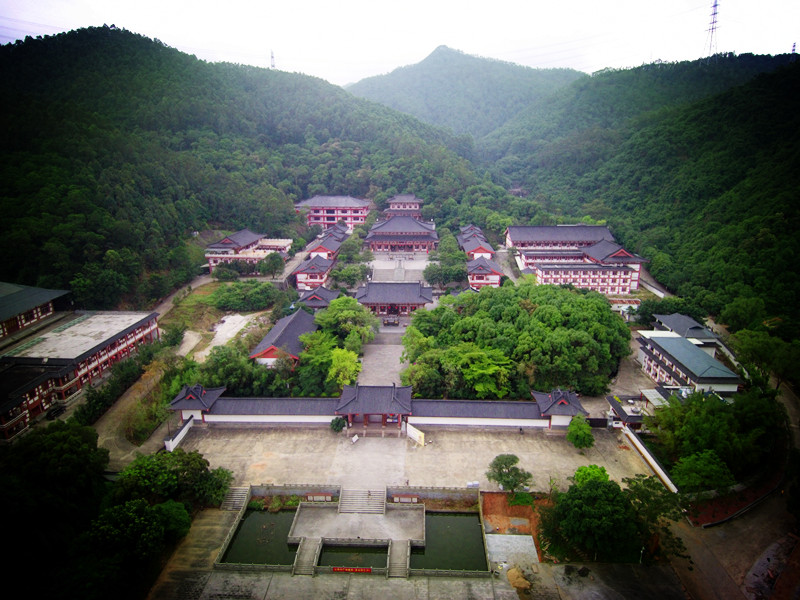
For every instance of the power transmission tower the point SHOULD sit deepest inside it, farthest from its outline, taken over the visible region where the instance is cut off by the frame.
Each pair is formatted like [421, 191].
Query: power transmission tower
[712, 30]
[271, 59]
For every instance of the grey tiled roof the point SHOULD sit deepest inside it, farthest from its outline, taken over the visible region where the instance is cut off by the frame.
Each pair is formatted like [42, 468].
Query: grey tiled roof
[684, 326]
[285, 334]
[401, 225]
[394, 293]
[702, 367]
[243, 237]
[196, 397]
[559, 233]
[559, 402]
[483, 266]
[329, 243]
[319, 297]
[477, 409]
[375, 399]
[603, 251]
[475, 243]
[316, 264]
[332, 202]
[17, 299]
[276, 406]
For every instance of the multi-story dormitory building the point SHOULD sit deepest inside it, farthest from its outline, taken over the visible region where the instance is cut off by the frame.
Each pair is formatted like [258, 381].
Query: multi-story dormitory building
[245, 246]
[52, 361]
[326, 211]
[585, 256]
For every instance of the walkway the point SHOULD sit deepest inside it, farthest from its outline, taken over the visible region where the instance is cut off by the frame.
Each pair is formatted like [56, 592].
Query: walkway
[405, 523]
[381, 364]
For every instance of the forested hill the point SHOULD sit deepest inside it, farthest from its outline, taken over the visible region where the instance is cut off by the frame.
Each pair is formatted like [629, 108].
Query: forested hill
[115, 147]
[710, 194]
[466, 93]
[593, 109]
[705, 189]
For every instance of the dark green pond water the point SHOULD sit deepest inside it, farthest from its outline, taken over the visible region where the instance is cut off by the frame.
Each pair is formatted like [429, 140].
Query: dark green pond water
[342, 556]
[260, 539]
[452, 541]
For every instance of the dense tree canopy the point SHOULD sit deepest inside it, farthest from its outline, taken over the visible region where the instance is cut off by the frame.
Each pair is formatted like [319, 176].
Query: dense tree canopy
[704, 431]
[115, 148]
[505, 341]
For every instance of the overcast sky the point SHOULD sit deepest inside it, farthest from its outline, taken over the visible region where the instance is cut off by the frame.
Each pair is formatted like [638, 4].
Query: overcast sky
[344, 41]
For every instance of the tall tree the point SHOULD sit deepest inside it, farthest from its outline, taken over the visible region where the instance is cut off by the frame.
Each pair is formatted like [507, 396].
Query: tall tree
[504, 471]
[579, 432]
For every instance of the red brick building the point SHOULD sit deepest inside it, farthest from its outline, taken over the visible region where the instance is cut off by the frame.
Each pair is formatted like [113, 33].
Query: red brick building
[585, 256]
[326, 211]
[404, 205]
[402, 234]
[53, 365]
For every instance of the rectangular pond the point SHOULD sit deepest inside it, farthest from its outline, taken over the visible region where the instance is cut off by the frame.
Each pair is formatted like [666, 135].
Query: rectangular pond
[260, 539]
[346, 556]
[453, 541]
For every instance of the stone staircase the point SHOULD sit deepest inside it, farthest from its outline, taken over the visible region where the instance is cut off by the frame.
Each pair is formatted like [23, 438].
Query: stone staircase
[307, 555]
[399, 551]
[235, 498]
[363, 501]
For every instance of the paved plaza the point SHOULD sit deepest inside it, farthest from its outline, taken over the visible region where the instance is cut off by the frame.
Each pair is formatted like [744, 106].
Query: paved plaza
[397, 523]
[406, 267]
[451, 456]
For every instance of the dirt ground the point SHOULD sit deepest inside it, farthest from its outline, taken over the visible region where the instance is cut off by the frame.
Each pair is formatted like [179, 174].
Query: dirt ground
[225, 331]
[501, 518]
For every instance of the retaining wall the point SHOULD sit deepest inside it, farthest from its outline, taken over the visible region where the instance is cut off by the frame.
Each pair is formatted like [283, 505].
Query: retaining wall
[651, 460]
[171, 443]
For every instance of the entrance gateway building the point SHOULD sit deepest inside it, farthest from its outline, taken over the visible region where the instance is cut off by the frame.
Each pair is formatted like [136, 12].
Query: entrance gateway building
[387, 407]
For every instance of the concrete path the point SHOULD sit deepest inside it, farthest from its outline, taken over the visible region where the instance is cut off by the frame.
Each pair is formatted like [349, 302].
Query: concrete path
[381, 361]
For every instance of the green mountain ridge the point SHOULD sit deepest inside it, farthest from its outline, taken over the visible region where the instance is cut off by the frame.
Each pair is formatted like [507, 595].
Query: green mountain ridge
[692, 164]
[115, 148]
[467, 94]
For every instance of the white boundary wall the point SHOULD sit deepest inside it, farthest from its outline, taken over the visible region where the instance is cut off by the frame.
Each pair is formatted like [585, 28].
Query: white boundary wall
[268, 419]
[648, 458]
[171, 444]
[484, 422]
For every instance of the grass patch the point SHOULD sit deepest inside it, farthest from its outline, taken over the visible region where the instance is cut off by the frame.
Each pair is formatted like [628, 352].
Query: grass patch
[195, 311]
[521, 499]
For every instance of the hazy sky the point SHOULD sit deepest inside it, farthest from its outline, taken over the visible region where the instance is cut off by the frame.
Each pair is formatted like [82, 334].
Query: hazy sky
[343, 41]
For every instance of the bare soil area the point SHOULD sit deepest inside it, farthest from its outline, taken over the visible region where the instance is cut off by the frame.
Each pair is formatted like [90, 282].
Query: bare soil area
[225, 331]
[502, 518]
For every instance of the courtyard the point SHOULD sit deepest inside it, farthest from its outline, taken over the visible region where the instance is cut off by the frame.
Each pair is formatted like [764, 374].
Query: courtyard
[451, 456]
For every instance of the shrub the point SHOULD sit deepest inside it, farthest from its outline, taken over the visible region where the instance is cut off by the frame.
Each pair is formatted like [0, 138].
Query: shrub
[256, 504]
[521, 499]
[337, 424]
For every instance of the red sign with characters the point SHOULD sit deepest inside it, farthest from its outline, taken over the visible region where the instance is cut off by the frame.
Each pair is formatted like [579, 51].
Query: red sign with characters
[352, 569]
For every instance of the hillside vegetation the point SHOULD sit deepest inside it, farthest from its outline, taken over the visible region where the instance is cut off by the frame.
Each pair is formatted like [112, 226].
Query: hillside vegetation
[706, 190]
[467, 94]
[694, 165]
[116, 147]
